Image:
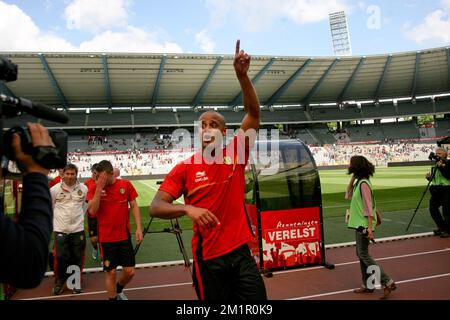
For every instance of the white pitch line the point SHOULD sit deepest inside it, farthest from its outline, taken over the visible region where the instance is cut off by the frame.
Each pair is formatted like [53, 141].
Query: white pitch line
[101, 292]
[378, 259]
[149, 185]
[351, 290]
[280, 272]
[328, 246]
[379, 202]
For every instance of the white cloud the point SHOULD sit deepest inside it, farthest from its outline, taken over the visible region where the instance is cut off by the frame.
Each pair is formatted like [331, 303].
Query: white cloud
[259, 15]
[97, 15]
[434, 30]
[132, 40]
[204, 41]
[30, 38]
[20, 33]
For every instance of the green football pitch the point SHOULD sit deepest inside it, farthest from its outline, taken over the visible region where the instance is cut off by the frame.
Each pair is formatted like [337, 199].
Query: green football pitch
[397, 190]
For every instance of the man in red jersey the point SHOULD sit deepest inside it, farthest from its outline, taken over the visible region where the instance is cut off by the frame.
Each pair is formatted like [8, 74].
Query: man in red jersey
[109, 201]
[92, 220]
[56, 179]
[213, 190]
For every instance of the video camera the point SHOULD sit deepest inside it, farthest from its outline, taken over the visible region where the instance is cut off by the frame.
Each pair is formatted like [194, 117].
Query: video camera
[48, 157]
[433, 157]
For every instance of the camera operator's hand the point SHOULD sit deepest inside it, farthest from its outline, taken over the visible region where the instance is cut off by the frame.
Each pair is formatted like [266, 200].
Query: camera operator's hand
[40, 138]
[428, 176]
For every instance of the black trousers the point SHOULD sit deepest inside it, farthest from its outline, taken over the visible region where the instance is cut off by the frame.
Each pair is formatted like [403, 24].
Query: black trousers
[440, 197]
[231, 277]
[68, 250]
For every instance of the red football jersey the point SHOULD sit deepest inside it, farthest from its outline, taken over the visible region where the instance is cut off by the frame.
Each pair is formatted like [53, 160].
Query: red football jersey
[89, 184]
[220, 189]
[55, 181]
[112, 215]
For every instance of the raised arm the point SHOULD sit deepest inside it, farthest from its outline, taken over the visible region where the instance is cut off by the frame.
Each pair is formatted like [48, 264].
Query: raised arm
[250, 98]
[162, 207]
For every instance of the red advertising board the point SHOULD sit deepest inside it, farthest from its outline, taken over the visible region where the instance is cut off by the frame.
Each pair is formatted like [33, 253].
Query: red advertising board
[291, 237]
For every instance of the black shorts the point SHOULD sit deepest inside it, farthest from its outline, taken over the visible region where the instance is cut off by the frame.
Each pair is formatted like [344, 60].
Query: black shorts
[233, 276]
[92, 227]
[115, 254]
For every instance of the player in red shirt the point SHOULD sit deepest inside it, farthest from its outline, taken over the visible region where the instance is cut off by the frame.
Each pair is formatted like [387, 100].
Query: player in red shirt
[57, 179]
[109, 201]
[92, 220]
[212, 183]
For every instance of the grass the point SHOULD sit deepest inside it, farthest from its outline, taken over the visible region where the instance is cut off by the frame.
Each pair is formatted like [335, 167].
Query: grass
[397, 190]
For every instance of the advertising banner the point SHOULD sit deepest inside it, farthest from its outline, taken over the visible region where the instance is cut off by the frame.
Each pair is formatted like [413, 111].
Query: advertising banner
[291, 237]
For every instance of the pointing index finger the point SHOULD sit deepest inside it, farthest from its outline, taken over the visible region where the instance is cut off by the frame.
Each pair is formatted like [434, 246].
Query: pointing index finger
[238, 45]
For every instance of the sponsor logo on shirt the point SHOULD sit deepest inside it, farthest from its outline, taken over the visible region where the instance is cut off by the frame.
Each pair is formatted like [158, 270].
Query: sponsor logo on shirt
[200, 176]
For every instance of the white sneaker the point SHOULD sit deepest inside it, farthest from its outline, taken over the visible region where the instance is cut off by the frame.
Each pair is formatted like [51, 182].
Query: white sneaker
[95, 254]
[122, 296]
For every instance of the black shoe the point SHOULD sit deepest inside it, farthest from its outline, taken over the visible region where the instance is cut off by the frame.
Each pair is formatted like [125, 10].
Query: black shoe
[58, 288]
[76, 291]
[438, 232]
[445, 234]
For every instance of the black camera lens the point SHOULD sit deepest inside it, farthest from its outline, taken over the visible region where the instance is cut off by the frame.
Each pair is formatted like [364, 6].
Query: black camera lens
[47, 157]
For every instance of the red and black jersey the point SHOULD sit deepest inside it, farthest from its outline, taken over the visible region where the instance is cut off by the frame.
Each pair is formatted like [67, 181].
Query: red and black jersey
[218, 187]
[113, 215]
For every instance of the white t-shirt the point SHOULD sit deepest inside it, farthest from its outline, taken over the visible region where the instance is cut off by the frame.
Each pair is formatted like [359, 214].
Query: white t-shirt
[69, 206]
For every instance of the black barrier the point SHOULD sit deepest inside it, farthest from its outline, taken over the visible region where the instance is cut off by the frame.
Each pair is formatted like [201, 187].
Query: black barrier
[284, 205]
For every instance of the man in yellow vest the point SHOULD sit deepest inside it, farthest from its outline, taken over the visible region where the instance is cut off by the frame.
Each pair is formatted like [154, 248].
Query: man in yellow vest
[440, 192]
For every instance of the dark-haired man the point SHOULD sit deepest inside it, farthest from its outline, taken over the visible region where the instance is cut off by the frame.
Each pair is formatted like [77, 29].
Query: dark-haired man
[69, 201]
[109, 201]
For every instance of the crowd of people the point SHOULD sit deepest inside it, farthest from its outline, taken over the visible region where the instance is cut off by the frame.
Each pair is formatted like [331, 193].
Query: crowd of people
[379, 154]
[156, 162]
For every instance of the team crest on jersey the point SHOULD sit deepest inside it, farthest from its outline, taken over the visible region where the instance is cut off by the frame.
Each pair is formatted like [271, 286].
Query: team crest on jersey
[122, 190]
[80, 192]
[107, 263]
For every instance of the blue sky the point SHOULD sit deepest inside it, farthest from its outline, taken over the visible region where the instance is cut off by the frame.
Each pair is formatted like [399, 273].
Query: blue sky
[265, 27]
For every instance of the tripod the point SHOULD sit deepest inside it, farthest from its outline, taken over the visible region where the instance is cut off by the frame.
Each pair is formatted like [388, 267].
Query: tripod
[433, 173]
[176, 230]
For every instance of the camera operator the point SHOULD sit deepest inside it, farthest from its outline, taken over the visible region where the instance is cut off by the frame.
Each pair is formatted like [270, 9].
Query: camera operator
[440, 192]
[24, 246]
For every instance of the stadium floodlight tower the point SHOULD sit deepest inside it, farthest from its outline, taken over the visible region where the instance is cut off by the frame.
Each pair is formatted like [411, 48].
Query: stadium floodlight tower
[339, 34]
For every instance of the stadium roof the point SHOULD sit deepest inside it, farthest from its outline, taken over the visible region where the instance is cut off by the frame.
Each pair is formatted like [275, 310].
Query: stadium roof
[73, 80]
